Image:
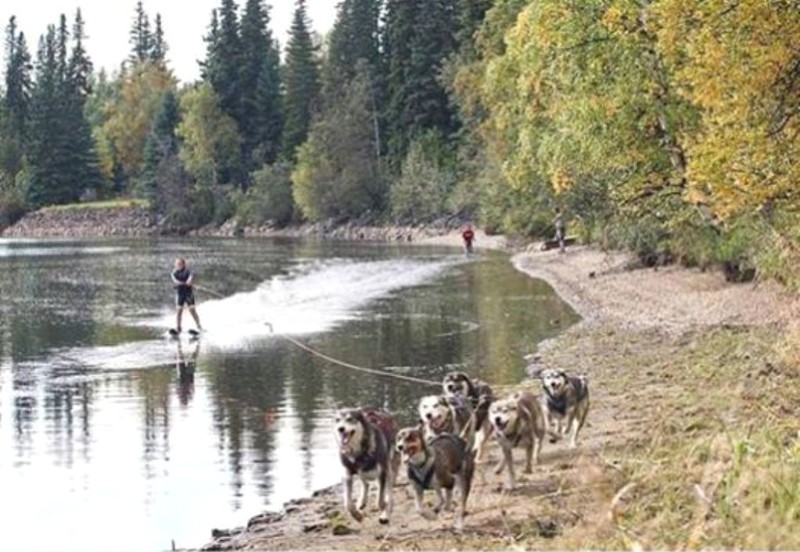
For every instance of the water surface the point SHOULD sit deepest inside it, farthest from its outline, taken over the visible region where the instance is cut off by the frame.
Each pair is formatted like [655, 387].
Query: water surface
[114, 438]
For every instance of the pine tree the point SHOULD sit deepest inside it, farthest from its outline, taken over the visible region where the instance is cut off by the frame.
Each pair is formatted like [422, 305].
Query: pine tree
[223, 58]
[78, 87]
[355, 38]
[471, 14]
[62, 154]
[141, 38]
[419, 36]
[47, 175]
[161, 145]
[260, 121]
[16, 101]
[301, 82]
[158, 47]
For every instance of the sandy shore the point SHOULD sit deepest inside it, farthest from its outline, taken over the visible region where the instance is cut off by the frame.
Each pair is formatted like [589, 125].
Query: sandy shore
[643, 334]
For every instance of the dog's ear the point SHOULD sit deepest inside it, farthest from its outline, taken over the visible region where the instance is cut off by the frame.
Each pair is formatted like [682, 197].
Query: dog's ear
[443, 401]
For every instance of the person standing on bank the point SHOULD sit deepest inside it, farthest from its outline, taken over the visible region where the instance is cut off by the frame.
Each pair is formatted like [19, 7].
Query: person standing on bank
[183, 280]
[468, 235]
[561, 229]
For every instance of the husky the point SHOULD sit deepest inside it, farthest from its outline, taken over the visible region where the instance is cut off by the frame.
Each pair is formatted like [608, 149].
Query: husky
[443, 462]
[440, 414]
[518, 422]
[565, 403]
[366, 449]
[480, 396]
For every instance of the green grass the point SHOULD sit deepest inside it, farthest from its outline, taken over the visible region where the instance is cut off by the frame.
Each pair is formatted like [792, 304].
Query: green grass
[109, 204]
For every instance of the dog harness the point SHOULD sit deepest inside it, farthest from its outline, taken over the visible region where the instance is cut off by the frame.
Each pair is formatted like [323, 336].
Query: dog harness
[422, 474]
[366, 461]
[559, 404]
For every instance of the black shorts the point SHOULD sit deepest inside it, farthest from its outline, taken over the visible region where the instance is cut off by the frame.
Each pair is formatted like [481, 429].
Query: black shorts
[185, 296]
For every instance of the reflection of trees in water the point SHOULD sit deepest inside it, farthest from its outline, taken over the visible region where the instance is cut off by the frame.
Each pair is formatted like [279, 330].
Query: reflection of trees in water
[154, 389]
[245, 391]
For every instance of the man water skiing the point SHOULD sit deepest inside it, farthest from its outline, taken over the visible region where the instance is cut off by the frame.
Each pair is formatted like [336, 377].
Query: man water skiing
[183, 280]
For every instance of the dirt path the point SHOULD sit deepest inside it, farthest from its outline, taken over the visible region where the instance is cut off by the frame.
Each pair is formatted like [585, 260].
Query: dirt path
[647, 338]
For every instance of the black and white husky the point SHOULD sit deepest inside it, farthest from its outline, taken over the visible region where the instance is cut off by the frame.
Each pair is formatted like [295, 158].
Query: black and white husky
[480, 396]
[565, 404]
[366, 450]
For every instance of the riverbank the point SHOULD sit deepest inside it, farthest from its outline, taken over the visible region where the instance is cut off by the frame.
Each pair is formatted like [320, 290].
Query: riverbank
[692, 440]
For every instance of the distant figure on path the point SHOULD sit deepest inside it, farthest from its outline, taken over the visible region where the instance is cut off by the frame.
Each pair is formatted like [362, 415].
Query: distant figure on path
[183, 280]
[561, 229]
[468, 235]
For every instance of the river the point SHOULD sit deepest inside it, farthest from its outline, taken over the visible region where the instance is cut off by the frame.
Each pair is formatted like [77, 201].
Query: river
[114, 437]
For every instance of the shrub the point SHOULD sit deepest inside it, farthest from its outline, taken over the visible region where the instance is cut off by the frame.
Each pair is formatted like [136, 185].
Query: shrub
[269, 199]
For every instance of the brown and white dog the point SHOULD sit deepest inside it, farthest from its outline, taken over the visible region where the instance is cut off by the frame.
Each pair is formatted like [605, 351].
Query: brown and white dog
[518, 422]
[366, 450]
[480, 396]
[440, 414]
[565, 403]
[442, 463]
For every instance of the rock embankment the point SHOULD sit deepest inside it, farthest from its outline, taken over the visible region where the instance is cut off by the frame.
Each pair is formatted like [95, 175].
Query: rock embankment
[127, 221]
[133, 221]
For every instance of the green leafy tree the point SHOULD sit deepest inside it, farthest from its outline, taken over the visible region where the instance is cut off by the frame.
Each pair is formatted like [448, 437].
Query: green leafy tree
[129, 117]
[269, 199]
[426, 179]
[338, 174]
[210, 138]
[301, 81]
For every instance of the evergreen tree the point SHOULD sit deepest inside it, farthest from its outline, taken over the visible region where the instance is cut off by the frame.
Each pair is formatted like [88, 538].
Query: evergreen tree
[355, 38]
[141, 38]
[301, 81]
[159, 47]
[47, 174]
[161, 144]
[78, 87]
[16, 101]
[62, 157]
[222, 66]
[419, 36]
[471, 14]
[260, 121]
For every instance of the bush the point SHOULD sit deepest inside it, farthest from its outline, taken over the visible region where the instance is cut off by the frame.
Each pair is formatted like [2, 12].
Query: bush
[427, 177]
[12, 207]
[269, 199]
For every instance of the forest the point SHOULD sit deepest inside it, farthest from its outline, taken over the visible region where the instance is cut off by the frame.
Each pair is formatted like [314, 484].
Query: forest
[666, 127]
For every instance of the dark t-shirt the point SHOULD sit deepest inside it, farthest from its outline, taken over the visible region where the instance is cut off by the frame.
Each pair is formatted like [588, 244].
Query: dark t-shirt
[181, 276]
[185, 294]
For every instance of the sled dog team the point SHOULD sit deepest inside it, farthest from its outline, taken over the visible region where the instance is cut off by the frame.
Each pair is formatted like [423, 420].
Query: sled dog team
[440, 453]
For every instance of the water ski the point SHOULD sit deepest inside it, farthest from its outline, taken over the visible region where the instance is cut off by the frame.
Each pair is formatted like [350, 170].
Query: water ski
[193, 334]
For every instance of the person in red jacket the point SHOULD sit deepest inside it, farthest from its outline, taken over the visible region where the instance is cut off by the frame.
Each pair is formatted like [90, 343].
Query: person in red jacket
[468, 235]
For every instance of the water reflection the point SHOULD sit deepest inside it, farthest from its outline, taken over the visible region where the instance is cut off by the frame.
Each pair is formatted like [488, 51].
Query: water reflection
[99, 414]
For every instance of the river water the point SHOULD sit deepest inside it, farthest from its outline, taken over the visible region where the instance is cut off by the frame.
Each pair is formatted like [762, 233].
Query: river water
[115, 438]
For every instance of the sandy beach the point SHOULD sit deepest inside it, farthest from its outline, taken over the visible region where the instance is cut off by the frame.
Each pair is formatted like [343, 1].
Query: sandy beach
[646, 338]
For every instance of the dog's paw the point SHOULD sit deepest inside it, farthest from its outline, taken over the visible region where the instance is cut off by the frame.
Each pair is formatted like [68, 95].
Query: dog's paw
[356, 515]
[553, 439]
[430, 515]
[498, 469]
[384, 519]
